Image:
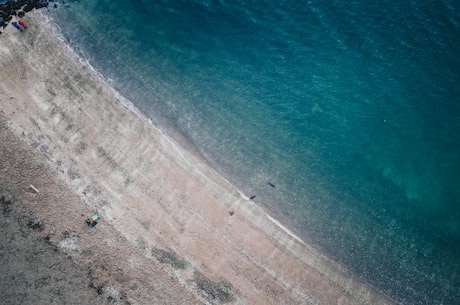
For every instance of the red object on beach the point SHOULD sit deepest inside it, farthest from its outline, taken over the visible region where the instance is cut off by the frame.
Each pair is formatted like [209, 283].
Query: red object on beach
[22, 23]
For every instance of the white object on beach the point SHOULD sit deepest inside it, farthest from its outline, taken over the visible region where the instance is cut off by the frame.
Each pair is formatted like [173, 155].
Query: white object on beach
[34, 188]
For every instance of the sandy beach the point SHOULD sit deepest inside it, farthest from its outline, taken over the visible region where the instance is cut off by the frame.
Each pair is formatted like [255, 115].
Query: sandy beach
[172, 231]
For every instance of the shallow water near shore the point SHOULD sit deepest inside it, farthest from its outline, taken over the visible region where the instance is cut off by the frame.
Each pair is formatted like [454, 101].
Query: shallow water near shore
[349, 110]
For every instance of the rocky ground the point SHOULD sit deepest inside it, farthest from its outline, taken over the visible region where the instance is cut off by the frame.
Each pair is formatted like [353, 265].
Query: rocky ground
[49, 255]
[9, 9]
[35, 267]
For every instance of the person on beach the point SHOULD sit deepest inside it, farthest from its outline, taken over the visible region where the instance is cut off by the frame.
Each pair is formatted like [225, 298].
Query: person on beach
[16, 25]
[92, 221]
[22, 24]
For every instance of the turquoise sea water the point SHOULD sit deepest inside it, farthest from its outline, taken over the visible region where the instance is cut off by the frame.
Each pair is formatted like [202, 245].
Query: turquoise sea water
[350, 109]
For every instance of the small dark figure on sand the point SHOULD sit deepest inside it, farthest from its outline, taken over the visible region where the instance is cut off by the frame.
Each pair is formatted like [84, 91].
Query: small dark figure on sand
[252, 197]
[92, 221]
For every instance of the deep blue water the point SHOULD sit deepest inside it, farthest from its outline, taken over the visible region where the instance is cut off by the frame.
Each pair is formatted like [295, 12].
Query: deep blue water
[350, 109]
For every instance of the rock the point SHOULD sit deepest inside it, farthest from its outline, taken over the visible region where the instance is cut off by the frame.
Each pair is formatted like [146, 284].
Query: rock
[29, 7]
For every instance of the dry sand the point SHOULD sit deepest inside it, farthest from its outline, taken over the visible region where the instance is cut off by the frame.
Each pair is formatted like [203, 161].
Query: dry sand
[172, 231]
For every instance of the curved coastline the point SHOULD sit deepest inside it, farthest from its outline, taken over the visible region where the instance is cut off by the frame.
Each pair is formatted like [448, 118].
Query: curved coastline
[187, 208]
[130, 106]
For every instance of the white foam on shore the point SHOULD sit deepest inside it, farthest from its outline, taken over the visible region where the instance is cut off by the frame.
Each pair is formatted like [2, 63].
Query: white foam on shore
[57, 33]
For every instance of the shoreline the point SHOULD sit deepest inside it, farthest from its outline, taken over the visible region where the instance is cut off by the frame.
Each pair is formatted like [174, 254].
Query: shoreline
[131, 107]
[176, 204]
